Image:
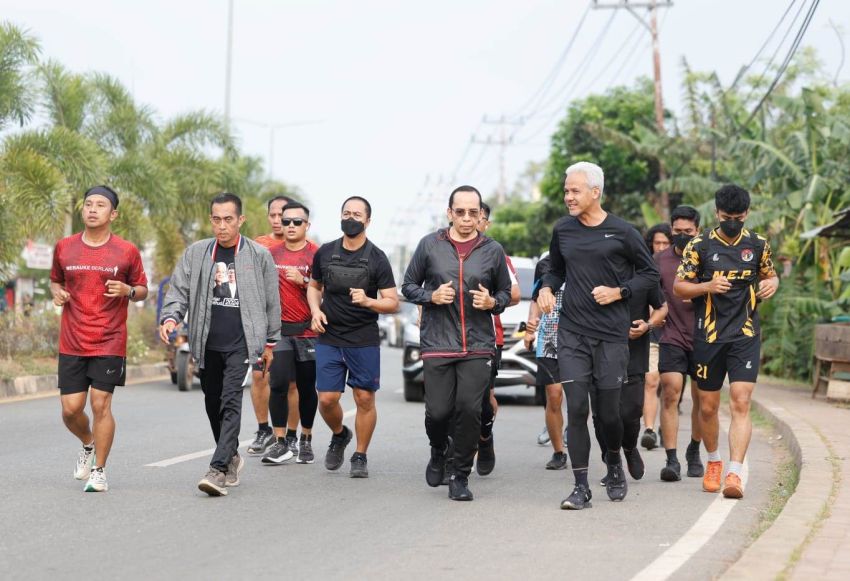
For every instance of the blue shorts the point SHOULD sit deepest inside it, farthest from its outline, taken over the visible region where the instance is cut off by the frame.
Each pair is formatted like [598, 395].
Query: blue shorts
[360, 365]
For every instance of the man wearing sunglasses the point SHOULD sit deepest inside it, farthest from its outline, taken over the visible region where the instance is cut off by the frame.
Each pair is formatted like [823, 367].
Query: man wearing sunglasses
[295, 353]
[264, 437]
[461, 279]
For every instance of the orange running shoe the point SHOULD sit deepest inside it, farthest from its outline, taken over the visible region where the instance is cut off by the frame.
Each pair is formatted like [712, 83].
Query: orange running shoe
[711, 480]
[733, 488]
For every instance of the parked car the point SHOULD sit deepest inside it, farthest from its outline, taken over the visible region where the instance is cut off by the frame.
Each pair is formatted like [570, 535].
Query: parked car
[392, 326]
[518, 365]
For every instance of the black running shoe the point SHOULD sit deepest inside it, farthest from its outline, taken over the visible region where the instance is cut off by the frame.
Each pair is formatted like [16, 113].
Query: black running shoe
[672, 472]
[436, 469]
[459, 488]
[635, 464]
[486, 460]
[616, 487]
[604, 480]
[695, 467]
[649, 440]
[336, 451]
[359, 467]
[578, 499]
[558, 461]
[262, 442]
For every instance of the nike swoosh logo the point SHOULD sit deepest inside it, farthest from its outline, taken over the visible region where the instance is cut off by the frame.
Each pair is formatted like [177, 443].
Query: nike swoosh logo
[110, 371]
[608, 235]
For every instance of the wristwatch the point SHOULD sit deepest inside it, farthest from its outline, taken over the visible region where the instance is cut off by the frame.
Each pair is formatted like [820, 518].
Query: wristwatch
[132, 294]
[625, 292]
[306, 280]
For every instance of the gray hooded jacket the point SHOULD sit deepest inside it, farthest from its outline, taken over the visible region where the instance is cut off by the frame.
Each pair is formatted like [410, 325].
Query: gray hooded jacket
[191, 289]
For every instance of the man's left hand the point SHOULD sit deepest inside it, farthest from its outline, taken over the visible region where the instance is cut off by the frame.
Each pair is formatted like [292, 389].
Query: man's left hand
[605, 295]
[639, 328]
[767, 288]
[116, 289]
[359, 297]
[481, 299]
[267, 357]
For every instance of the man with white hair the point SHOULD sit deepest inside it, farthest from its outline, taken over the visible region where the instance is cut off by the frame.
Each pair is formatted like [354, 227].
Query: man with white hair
[605, 260]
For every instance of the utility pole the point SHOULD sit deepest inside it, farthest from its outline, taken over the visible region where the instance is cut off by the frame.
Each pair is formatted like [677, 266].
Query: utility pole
[503, 141]
[652, 27]
[228, 63]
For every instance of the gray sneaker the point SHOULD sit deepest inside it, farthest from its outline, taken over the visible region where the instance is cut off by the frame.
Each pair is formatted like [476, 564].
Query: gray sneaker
[232, 476]
[262, 442]
[278, 454]
[359, 468]
[336, 451]
[305, 452]
[558, 461]
[292, 442]
[213, 483]
[543, 438]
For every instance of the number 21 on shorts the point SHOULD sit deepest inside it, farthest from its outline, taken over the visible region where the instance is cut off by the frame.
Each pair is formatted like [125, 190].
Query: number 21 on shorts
[702, 371]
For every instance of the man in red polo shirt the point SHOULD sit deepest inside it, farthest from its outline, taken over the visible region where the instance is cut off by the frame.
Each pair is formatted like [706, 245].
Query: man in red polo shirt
[95, 275]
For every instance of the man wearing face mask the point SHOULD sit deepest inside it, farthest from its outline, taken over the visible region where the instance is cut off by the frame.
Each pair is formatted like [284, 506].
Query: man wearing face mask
[352, 282]
[676, 350]
[726, 273]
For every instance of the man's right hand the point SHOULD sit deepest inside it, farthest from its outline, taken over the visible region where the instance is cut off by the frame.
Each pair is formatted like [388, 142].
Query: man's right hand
[166, 329]
[319, 321]
[444, 294]
[718, 285]
[546, 300]
[60, 297]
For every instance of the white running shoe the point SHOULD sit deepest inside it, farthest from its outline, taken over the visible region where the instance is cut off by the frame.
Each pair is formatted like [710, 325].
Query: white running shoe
[84, 463]
[543, 438]
[97, 481]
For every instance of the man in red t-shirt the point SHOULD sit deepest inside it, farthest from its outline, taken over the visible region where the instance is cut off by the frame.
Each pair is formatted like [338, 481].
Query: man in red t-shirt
[486, 459]
[264, 437]
[94, 276]
[295, 353]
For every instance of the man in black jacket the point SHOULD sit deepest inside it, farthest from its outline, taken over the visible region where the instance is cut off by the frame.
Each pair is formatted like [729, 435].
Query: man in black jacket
[604, 261]
[460, 278]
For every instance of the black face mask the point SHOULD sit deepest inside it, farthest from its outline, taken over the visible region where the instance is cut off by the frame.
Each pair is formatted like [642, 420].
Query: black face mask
[351, 227]
[732, 228]
[681, 240]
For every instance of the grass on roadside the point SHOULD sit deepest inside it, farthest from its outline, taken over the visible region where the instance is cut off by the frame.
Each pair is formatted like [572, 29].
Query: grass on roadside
[786, 478]
[12, 368]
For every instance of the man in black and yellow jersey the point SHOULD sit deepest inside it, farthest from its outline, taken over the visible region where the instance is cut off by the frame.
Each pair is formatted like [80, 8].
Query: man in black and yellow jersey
[726, 272]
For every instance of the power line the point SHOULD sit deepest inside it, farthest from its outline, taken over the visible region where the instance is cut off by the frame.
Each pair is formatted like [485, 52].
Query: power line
[770, 36]
[618, 52]
[788, 57]
[556, 69]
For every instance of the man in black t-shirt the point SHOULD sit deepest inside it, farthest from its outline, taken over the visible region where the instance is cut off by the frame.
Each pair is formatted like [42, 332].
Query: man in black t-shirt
[352, 282]
[726, 272]
[604, 261]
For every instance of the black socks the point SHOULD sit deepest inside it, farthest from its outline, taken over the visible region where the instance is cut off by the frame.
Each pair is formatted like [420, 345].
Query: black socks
[264, 427]
[671, 455]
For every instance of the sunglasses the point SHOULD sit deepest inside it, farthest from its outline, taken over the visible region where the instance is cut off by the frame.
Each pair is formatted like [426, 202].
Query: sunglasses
[461, 212]
[288, 221]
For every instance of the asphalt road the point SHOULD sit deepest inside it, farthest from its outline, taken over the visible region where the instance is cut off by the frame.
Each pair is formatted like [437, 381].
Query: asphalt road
[302, 520]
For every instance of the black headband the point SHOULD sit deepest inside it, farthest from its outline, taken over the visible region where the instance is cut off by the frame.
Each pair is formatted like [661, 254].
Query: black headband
[106, 192]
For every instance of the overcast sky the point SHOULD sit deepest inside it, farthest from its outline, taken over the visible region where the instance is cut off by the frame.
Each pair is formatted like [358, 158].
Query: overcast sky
[397, 87]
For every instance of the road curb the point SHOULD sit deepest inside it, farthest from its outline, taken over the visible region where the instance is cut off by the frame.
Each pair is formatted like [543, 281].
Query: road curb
[31, 386]
[773, 551]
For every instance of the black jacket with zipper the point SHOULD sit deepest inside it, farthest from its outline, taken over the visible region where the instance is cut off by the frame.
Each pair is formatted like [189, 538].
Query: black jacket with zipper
[457, 329]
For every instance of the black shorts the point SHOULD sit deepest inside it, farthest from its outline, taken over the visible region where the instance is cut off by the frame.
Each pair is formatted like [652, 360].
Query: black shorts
[591, 361]
[77, 373]
[548, 372]
[713, 361]
[674, 359]
[494, 367]
[300, 348]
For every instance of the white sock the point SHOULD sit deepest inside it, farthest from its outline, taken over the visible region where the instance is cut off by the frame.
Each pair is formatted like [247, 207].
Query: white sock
[714, 456]
[736, 467]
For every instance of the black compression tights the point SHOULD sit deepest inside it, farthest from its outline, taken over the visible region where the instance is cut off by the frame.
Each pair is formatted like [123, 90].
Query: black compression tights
[308, 399]
[606, 403]
[631, 410]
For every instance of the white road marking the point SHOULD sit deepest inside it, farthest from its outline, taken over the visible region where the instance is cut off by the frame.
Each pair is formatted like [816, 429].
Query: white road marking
[204, 453]
[694, 539]
[399, 390]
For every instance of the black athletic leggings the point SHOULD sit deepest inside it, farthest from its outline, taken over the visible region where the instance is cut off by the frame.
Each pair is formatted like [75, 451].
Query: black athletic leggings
[631, 410]
[606, 406]
[305, 381]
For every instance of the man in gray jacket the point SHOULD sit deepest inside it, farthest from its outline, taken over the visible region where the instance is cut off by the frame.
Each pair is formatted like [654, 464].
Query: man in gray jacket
[232, 323]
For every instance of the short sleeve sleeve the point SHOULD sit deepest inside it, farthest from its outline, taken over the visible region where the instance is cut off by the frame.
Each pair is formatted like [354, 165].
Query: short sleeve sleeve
[766, 269]
[316, 273]
[384, 273]
[57, 275]
[690, 266]
[136, 275]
